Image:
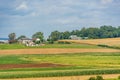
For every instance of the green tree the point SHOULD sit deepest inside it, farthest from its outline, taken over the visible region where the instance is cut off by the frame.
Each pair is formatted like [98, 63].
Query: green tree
[83, 32]
[12, 36]
[92, 78]
[99, 78]
[65, 35]
[38, 35]
[55, 35]
[22, 36]
[93, 33]
[76, 32]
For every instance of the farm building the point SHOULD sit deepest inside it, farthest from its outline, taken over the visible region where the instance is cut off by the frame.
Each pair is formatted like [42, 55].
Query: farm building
[26, 41]
[75, 37]
[4, 40]
[29, 42]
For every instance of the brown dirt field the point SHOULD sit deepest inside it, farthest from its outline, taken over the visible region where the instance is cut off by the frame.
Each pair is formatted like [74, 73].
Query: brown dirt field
[107, 41]
[109, 76]
[11, 66]
[54, 51]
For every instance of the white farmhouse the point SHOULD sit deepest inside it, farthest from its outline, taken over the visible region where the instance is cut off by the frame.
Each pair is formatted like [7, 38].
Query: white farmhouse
[26, 41]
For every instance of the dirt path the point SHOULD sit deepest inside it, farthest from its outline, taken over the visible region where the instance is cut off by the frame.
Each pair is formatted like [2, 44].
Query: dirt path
[54, 51]
[109, 76]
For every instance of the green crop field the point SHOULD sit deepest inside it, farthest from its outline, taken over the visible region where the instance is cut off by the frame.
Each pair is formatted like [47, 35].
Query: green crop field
[77, 64]
[99, 60]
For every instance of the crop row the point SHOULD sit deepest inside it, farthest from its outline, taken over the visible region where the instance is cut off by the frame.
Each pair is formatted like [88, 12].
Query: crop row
[33, 74]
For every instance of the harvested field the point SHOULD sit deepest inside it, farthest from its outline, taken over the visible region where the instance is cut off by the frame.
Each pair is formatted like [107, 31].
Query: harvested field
[110, 76]
[107, 41]
[11, 66]
[54, 51]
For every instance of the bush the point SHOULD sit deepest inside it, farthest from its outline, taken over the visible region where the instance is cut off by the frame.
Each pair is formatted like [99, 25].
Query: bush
[51, 42]
[99, 78]
[114, 47]
[103, 45]
[61, 42]
[92, 78]
[118, 77]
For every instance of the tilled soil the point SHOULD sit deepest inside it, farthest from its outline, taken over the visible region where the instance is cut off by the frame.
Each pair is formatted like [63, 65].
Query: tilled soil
[11, 66]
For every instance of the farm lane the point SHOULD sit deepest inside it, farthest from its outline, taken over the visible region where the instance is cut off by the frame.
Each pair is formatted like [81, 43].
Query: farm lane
[54, 51]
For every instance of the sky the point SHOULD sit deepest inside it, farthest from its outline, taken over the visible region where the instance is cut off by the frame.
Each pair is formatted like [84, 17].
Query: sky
[26, 17]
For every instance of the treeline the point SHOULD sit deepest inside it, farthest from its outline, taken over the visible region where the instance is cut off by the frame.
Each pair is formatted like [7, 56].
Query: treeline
[92, 33]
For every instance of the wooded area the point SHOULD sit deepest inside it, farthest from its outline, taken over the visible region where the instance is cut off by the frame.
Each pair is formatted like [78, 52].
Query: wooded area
[91, 33]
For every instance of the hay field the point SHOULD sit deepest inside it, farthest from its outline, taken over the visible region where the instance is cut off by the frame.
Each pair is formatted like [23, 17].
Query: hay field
[107, 41]
[55, 51]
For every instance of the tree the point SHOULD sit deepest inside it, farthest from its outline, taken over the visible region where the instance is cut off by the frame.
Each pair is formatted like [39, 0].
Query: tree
[55, 35]
[12, 36]
[83, 32]
[65, 35]
[22, 36]
[38, 35]
[99, 78]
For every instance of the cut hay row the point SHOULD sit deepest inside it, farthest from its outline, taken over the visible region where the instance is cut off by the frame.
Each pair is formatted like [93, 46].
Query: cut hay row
[54, 51]
[107, 41]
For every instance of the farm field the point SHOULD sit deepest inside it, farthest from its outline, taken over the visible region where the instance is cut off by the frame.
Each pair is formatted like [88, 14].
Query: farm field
[49, 65]
[55, 51]
[106, 77]
[73, 45]
[108, 41]
[58, 60]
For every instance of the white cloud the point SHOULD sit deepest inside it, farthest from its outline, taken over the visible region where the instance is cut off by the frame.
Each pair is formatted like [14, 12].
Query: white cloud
[106, 1]
[34, 14]
[57, 14]
[22, 6]
[66, 20]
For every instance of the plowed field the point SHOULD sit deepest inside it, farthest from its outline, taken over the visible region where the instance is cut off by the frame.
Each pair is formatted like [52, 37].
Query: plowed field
[11, 66]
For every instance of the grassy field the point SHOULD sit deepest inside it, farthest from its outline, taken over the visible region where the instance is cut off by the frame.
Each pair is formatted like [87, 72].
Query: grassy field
[78, 64]
[91, 43]
[73, 45]
[98, 60]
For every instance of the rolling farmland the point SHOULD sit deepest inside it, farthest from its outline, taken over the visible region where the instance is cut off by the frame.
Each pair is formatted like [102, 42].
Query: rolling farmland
[57, 60]
[107, 41]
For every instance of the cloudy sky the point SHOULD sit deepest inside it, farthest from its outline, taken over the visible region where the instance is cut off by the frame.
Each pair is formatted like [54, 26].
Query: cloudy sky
[25, 17]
